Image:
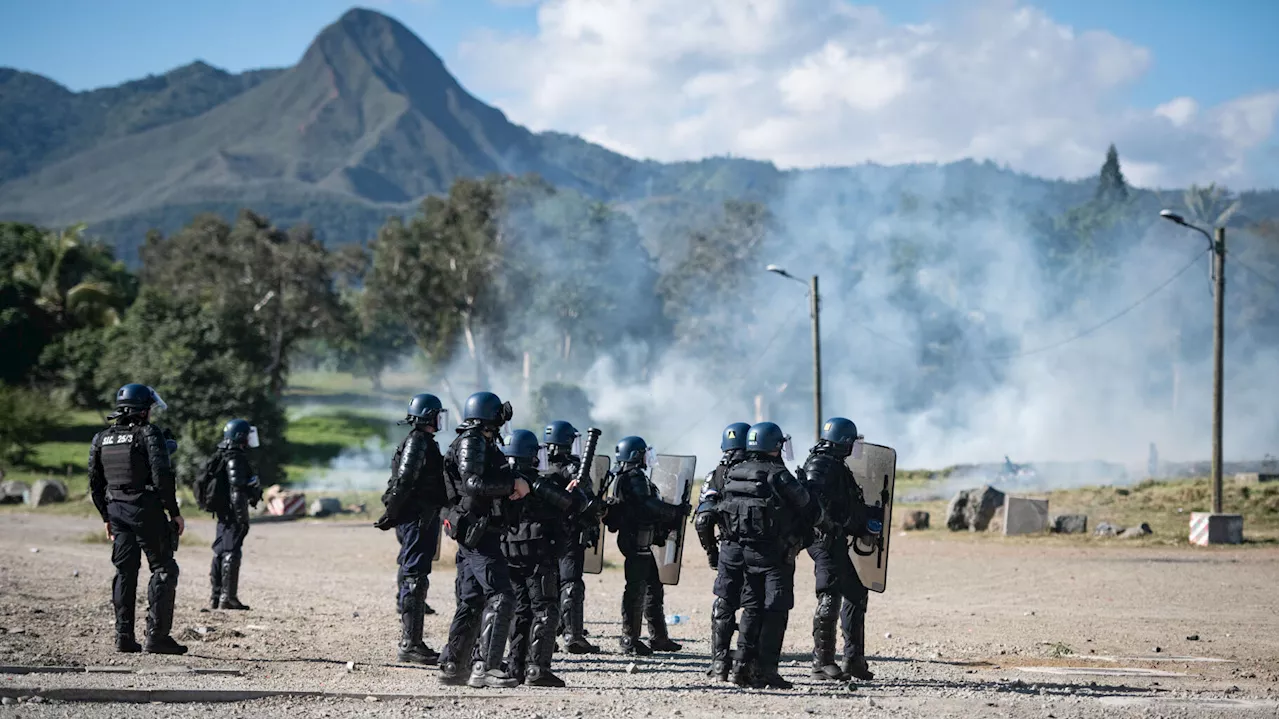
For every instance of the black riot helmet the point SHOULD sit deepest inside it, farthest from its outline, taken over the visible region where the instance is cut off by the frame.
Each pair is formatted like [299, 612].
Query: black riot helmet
[840, 433]
[631, 450]
[734, 437]
[133, 400]
[240, 432]
[426, 410]
[522, 446]
[486, 407]
[767, 437]
[560, 435]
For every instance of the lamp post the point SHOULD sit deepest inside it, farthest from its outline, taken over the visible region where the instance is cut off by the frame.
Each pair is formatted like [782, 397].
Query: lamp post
[1227, 529]
[817, 346]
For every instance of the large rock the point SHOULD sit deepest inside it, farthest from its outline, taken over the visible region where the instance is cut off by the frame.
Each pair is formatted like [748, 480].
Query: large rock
[324, 507]
[47, 491]
[1070, 524]
[972, 509]
[13, 492]
[915, 520]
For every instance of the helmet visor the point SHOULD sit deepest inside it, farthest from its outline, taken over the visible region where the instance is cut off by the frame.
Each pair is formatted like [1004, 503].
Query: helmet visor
[576, 450]
[788, 453]
[253, 437]
[857, 449]
[650, 457]
[157, 404]
[543, 465]
[441, 421]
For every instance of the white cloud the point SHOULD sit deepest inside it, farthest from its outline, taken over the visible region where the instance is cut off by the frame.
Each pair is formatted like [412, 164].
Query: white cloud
[821, 82]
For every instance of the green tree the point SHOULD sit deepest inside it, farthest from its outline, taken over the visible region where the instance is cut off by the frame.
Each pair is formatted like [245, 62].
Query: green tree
[1112, 187]
[206, 361]
[281, 281]
[26, 418]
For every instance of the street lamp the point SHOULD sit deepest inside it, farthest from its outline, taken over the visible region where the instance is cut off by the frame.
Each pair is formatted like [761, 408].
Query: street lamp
[1217, 528]
[817, 345]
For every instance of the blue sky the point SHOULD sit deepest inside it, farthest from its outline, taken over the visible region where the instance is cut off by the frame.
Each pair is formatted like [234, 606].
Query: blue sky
[1186, 89]
[1199, 48]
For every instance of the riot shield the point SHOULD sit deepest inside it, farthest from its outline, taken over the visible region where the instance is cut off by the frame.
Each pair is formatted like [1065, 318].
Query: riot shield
[436, 525]
[874, 469]
[593, 562]
[673, 476]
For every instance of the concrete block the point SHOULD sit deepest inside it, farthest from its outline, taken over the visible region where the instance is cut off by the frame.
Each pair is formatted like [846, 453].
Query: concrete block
[1025, 516]
[1209, 528]
[1255, 477]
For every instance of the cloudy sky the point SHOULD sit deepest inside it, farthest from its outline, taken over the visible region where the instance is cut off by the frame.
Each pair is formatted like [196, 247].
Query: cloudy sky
[1186, 91]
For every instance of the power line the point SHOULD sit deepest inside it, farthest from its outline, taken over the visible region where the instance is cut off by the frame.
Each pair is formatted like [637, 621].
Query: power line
[1062, 342]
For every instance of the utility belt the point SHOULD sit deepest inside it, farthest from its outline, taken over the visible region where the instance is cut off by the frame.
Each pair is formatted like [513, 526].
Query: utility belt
[468, 528]
[121, 494]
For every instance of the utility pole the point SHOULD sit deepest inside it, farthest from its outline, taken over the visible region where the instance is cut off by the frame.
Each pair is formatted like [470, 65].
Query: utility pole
[817, 359]
[1215, 527]
[1219, 292]
[814, 306]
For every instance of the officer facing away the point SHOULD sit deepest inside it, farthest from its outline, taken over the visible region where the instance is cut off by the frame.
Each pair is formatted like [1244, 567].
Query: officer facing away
[242, 489]
[733, 444]
[765, 517]
[414, 496]
[530, 549]
[478, 485]
[642, 519]
[559, 438]
[131, 481]
[845, 515]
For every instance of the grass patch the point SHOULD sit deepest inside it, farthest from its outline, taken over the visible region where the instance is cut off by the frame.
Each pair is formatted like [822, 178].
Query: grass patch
[318, 438]
[1165, 505]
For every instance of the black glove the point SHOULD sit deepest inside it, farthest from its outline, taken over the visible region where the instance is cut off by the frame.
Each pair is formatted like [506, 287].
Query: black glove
[384, 522]
[713, 557]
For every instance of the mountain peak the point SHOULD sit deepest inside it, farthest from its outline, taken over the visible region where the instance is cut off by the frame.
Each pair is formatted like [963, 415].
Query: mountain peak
[378, 40]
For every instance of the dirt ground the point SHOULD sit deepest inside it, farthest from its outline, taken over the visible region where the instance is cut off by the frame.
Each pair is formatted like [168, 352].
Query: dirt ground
[969, 627]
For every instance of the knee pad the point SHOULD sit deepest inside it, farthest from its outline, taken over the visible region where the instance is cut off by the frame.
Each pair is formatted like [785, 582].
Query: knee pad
[828, 607]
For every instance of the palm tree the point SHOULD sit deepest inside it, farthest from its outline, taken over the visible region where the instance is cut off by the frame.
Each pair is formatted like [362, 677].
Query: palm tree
[89, 302]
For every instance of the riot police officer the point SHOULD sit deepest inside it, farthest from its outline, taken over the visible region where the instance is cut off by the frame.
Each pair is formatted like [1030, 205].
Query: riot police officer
[765, 516]
[845, 514]
[131, 481]
[530, 549]
[478, 485]
[563, 463]
[733, 445]
[415, 493]
[642, 519]
[241, 490]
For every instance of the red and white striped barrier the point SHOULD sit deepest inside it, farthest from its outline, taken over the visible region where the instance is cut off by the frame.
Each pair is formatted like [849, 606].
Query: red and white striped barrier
[288, 505]
[1200, 528]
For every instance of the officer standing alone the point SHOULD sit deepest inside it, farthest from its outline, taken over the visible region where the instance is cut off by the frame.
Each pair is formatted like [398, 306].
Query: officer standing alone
[642, 517]
[131, 481]
[241, 490]
[415, 493]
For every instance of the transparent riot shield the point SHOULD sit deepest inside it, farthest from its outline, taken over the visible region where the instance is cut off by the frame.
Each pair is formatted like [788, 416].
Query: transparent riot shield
[673, 476]
[874, 469]
[593, 562]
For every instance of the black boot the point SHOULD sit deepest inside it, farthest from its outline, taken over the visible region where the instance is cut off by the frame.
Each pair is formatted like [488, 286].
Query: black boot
[412, 649]
[722, 627]
[541, 647]
[855, 640]
[659, 640]
[824, 639]
[571, 614]
[495, 625]
[215, 581]
[460, 645]
[451, 674]
[630, 640]
[772, 631]
[856, 667]
[231, 582]
[126, 644]
[161, 593]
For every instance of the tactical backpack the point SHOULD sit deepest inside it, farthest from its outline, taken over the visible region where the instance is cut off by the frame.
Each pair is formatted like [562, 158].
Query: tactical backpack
[212, 494]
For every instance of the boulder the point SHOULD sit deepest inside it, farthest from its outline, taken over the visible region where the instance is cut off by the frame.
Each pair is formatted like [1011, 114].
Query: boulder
[1106, 529]
[997, 521]
[1141, 530]
[972, 509]
[47, 491]
[1070, 524]
[13, 492]
[915, 520]
[324, 507]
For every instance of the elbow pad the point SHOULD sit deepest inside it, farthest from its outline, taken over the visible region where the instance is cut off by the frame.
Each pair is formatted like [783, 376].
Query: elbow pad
[549, 493]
